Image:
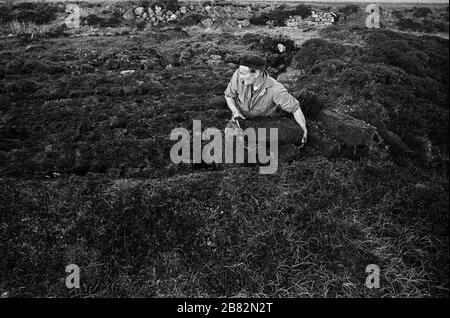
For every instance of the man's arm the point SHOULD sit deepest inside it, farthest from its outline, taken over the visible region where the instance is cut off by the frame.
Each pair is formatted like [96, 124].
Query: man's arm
[288, 103]
[300, 119]
[236, 113]
[230, 96]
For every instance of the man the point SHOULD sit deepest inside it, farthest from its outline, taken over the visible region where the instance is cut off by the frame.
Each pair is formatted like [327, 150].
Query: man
[253, 93]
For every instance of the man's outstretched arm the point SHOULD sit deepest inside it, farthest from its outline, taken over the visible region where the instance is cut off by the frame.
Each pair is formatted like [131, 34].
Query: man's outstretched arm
[300, 119]
[288, 103]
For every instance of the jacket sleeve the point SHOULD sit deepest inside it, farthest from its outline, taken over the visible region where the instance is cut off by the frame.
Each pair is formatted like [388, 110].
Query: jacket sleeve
[285, 101]
[232, 88]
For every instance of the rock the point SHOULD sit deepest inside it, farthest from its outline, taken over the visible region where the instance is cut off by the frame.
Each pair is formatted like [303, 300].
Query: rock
[158, 10]
[348, 130]
[281, 48]
[243, 23]
[208, 9]
[127, 72]
[183, 10]
[151, 13]
[139, 10]
[207, 23]
[73, 20]
[339, 135]
[129, 15]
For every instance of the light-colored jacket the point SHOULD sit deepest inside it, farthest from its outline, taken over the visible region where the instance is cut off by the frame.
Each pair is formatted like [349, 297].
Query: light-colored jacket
[264, 101]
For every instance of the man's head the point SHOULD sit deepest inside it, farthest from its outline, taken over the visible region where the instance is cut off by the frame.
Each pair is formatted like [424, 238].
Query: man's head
[251, 68]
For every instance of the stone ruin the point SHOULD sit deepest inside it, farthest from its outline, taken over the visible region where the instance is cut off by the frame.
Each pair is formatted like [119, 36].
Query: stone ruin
[189, 14]
[193, 13]
[317, 19]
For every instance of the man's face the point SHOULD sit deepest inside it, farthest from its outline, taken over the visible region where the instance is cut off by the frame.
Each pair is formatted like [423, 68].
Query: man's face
[249, 77]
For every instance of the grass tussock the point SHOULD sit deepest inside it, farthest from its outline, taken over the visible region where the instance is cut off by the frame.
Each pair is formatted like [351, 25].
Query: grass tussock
[398, 78]
[196, 235]
[21, 28]
[39, 12]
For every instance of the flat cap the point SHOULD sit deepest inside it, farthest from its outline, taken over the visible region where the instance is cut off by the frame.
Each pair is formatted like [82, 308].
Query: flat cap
[253, 61]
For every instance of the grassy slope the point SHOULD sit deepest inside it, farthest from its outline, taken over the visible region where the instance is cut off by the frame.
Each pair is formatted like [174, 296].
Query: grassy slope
[310, 230]
[138, 226]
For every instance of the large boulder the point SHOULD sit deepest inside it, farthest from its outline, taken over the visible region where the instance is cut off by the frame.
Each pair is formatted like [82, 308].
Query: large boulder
[339, 135]
[348, 130]
[129, 15]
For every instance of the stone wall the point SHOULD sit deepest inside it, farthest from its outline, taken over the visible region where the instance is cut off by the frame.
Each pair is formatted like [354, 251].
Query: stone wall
[162, 13]
[317, 19]
[156, 14]
[190, 14]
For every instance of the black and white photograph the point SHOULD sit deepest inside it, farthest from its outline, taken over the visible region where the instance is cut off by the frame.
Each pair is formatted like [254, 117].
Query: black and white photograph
[225, 155]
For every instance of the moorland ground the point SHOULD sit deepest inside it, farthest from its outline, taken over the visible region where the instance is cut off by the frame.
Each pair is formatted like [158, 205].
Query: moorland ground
[86, 178]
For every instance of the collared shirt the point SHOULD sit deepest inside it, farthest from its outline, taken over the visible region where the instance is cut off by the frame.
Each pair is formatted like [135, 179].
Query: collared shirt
[264, 101]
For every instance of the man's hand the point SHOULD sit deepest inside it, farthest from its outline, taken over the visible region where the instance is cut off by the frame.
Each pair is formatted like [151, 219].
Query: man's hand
[300, 119]
[237, 114]
[305, 136]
